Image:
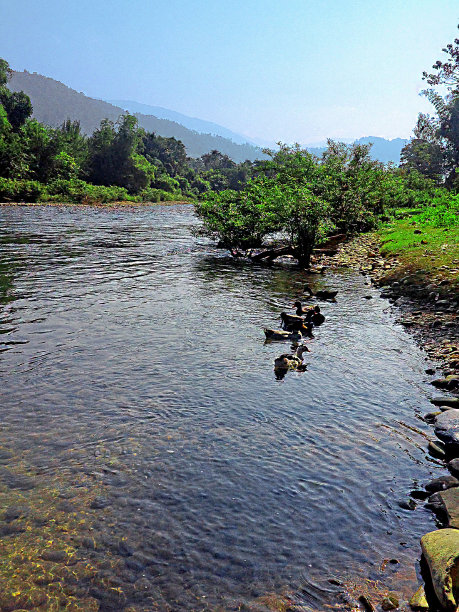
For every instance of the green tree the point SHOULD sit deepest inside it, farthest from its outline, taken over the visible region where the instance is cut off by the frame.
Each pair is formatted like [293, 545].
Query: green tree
[114, 158]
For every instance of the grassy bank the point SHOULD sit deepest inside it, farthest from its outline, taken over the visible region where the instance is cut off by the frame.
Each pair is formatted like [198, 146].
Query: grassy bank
[430, 252]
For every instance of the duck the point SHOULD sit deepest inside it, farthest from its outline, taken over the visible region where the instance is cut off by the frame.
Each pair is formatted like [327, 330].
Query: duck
[322, 294]
[281, 334]
[317, 317]
[300, 310]
[289, 320]
[288, 361]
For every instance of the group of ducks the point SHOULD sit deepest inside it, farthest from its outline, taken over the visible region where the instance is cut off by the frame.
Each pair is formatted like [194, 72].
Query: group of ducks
[294, 327]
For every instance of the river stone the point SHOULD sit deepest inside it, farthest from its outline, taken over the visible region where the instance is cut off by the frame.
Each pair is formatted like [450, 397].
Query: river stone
[452, 402]
[390, 603]
[441, 551]
[449, 382]
[419, 601]
[447, 427]
[442, 483]
[453, 467]
[446, 505]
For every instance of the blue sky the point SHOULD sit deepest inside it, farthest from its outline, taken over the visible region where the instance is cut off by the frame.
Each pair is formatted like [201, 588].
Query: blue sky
[289, 70]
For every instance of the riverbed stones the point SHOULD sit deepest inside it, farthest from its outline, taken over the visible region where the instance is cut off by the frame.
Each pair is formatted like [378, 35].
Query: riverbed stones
[449, 382]
[390, 602]
[441, 551]
[437, 449]
[453, 467]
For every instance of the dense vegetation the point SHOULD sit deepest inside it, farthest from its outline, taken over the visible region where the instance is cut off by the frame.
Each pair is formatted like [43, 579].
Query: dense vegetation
[53, 103]
[119, 161]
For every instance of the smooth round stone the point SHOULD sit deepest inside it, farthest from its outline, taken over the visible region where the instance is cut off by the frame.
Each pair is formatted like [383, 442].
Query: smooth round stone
[447, 427]
[442, 483]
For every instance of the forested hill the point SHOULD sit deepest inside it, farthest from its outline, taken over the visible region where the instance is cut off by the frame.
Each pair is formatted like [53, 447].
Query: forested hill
[382, 150]
[53, 103]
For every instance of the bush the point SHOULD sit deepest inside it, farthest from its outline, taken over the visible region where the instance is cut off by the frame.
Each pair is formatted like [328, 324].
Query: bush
[19, 190]
[76, 190]
[443, 211]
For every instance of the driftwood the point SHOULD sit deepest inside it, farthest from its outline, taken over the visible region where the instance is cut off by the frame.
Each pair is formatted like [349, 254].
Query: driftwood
[271, 254]
[268, 254]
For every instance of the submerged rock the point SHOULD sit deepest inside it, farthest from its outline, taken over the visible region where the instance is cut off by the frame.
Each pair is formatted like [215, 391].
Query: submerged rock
[441, 551]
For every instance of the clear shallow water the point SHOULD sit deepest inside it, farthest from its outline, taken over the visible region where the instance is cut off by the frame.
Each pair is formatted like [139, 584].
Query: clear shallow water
[127, 341]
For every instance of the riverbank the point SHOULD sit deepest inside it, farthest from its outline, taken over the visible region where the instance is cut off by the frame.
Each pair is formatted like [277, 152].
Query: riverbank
[422, 280]
[123, 203]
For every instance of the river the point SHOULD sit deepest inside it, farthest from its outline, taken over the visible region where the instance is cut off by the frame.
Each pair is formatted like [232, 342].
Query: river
[133, 363]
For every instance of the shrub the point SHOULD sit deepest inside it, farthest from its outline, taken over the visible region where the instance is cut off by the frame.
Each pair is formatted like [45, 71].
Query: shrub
[20, 190]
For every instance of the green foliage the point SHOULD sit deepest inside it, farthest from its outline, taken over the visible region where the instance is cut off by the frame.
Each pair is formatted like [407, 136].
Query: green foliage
[278, 201]
[443, 211]
[12, 190]
[76, 190]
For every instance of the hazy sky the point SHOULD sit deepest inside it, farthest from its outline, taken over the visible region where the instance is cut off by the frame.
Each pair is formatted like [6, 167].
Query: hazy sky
[289, 70]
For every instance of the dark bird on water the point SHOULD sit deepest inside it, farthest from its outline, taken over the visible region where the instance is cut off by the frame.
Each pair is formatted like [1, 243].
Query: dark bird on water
[322, 294]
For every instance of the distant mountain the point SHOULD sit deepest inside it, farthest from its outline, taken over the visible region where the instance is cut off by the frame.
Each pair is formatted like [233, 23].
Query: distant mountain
[382, 150]
[53, 103]
[192, 123]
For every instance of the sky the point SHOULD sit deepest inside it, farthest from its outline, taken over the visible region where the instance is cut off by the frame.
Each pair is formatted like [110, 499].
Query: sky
[273, 70]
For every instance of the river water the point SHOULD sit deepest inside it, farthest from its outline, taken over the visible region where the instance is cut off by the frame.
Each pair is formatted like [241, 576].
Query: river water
[133, 355]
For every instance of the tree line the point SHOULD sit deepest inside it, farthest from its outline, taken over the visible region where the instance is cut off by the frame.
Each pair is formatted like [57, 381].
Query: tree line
[119, 161]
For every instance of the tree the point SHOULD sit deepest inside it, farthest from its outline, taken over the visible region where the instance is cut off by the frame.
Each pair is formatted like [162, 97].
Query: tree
[16, 104]
[446, 72]
[114, 158]
[277, 203]
[423, 156]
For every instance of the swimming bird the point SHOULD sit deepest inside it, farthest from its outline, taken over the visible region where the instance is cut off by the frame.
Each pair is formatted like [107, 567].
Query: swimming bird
[317, 317]
[303, 311]
[322, 294]
[288, 361]
[280, 334]
[288, 320]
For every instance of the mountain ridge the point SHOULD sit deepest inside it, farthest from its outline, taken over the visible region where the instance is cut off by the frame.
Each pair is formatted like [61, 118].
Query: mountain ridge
[192, 123]
[53, 103]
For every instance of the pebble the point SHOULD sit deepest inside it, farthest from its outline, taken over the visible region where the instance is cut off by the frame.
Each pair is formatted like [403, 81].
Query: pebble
[99, 502]
[56, 556]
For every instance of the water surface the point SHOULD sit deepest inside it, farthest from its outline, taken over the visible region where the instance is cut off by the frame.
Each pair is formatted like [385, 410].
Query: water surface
[133, 353]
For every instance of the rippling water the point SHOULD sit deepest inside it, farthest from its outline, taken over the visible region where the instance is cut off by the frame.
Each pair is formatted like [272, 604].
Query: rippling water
[126, 341]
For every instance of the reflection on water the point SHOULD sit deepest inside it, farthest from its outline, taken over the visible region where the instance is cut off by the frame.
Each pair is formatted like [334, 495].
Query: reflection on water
[134, 359]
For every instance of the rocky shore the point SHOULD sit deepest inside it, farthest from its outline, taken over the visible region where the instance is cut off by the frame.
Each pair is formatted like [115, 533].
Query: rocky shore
[427, 305]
